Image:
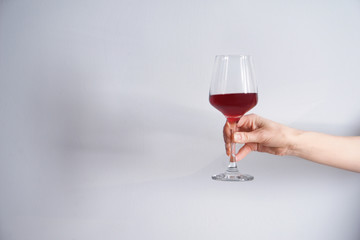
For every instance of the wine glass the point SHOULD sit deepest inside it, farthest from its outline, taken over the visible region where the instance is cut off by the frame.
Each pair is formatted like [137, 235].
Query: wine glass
[233, 91]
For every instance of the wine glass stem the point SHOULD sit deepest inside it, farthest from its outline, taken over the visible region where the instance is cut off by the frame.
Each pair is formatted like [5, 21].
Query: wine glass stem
[233, 152]
[232, 165]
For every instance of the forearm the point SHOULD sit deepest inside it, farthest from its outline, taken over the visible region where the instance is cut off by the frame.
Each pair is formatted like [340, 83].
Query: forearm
[336, 151]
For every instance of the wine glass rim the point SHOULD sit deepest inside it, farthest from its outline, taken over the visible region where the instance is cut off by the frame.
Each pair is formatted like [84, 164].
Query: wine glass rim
[233, 55]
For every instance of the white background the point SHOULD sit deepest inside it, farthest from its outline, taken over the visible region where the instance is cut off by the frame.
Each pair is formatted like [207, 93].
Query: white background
[106, 131]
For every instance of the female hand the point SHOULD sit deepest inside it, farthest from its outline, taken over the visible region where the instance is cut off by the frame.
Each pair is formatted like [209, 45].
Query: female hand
[260, 134]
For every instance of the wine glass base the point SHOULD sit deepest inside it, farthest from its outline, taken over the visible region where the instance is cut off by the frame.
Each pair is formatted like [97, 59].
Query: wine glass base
[232, 177]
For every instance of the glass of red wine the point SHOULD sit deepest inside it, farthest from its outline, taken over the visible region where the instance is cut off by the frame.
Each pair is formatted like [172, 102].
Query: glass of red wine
[233, 91]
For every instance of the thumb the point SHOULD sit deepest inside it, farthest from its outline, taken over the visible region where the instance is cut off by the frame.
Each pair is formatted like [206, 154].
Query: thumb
[247, 137]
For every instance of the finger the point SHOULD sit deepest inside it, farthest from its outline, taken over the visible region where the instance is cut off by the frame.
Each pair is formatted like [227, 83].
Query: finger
[245, 150]
[227, 138]
[227, 133]
[251, 121]
[228, 148]
[248, 137]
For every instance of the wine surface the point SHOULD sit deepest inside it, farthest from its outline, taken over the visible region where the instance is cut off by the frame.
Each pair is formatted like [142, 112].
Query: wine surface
[234, 105]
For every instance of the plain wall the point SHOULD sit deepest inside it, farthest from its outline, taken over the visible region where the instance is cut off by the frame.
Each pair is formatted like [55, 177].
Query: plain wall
[98, 98]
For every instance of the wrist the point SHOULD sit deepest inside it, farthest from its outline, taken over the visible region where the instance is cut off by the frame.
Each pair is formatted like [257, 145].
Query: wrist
[294, 142]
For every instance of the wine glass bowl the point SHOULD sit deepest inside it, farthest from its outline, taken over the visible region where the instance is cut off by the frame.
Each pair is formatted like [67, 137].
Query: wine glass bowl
[233, 91]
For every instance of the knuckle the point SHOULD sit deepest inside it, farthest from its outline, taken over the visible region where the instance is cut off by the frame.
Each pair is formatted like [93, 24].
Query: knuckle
[245, 137]
[261, 136]
[254, 116]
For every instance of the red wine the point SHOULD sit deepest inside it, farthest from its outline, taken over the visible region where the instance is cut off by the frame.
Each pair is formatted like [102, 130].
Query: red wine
[234, 105]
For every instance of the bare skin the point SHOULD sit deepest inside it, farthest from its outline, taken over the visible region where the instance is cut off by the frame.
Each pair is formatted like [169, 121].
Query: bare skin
[262, 135]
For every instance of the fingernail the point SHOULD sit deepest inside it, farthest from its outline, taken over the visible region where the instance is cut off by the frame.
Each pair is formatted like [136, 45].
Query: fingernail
[237, 137]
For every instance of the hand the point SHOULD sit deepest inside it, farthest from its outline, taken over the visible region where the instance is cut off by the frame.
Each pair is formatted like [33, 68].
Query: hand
[260, 134]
